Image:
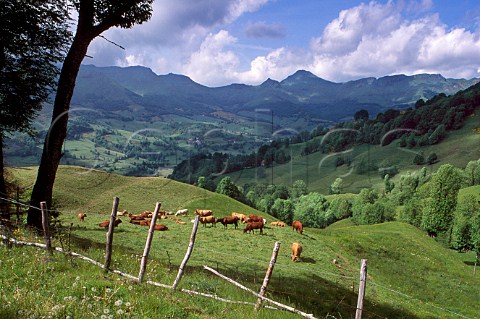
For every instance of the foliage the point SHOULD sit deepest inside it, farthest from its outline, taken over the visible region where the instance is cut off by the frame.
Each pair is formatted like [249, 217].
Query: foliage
[472, 173]
[340, 208]
[462, 230]
[367, 208]
[438, 212]
[311, 210]
[337, 186]
[283, 209]
[227, 187]
[431, 158]
[412, 211]
[298, 189]
[34, 35]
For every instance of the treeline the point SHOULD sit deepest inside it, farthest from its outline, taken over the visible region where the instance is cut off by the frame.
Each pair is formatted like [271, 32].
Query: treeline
[427, 201]
[208, 164]
[425, 124]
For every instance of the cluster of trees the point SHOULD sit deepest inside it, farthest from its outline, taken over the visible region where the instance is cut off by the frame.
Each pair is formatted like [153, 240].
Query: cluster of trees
[210, 165]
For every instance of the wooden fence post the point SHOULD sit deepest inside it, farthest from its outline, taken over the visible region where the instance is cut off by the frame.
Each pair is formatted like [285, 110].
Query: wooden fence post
[17, 203]
[187, 255]
[273, 260]
[111, 226]
[361, 288]
[146, 251]
[46, 229]
[475, 267]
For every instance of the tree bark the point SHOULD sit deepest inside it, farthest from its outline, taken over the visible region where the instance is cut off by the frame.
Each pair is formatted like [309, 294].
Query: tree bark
[3, 187]
[52, 147]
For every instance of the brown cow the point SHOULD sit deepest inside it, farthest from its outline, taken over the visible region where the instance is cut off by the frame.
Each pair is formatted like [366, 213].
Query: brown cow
[106, 223]
[254, 218]
[136, 217]
[208, 220]
[296, 251]
[228, 220]
[297, 226]
[82, 216]
[160, 227]
[203, 212]
[279, 224]
[241, 217]
[254, 225]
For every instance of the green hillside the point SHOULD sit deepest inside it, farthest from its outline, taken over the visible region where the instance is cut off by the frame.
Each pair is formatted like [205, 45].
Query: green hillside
[318, 169]
[409, 274]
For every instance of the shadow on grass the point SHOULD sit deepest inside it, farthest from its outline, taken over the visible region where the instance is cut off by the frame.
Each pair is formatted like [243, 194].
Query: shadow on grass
[316, 295]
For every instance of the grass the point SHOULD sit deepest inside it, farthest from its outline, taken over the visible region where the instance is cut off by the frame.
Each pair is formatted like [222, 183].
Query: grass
[409, 274]
[319, 172]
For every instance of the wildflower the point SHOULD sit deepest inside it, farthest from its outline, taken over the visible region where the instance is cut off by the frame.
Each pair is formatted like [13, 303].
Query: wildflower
[103, 317]
[75, 284]
[89, 306]
[128, 304]
[106, 311]
[118, 302]
[108, 290]
[119, 312]
[130, 288]
[78, 278]
[94, 289]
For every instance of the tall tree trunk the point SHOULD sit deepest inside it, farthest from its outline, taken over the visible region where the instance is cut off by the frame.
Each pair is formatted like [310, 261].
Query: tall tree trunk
[3, 187]
[52, 147]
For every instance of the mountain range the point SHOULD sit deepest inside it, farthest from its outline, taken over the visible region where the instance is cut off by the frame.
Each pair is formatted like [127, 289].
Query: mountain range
[142, 94]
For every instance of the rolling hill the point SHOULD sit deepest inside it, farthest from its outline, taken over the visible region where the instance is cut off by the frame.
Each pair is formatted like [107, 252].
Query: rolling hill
[409, 274]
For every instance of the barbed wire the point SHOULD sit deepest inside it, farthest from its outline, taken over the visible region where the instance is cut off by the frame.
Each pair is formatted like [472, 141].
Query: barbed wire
[416, 299]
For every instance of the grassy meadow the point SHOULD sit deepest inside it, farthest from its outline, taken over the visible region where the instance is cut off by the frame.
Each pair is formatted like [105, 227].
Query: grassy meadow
[409, 274]
[319, 172]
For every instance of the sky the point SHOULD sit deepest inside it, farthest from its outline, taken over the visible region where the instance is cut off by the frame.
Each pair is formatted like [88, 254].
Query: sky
[220, 42]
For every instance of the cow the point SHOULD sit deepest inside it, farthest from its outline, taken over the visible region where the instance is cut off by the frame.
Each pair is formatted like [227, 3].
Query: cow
[82, 216]
[254, 218]
[208, 220]
[181, 212]
[160, 227]
[278, 223]
[297, 226]
[106, 223]
[136, 217]
[203, 212]
[228, 220]
[254, 225]
[122, 212]
[180, 222]
[296, 251]
[241, 217]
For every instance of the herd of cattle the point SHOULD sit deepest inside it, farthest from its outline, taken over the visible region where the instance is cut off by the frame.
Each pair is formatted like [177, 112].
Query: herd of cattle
[252, 222]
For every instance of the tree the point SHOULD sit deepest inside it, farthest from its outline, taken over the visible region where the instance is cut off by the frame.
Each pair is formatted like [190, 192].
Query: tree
[361, 115]
[472, 173]
[33, 38]
[438, 212]
[283, 209]
[437, 135]
[311, 209]
[94, 17]
[337, 186]
[227, 187]
[432, 158]
[462, 223]
[299, 188]
[419, 159]
[389, 185]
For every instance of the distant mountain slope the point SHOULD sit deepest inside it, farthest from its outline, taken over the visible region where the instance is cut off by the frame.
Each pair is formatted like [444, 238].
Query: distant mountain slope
[300, 95]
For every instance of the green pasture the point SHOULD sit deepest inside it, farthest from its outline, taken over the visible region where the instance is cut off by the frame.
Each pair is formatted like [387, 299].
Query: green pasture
[409, 274]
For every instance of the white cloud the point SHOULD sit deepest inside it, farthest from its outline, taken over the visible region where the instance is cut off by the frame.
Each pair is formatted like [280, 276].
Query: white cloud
[376, 40]
[371, 39]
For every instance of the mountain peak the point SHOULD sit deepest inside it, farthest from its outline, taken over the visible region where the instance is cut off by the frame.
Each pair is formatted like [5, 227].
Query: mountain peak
[270, 83]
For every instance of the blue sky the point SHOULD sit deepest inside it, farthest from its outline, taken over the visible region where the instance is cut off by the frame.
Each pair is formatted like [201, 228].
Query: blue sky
[219, 42]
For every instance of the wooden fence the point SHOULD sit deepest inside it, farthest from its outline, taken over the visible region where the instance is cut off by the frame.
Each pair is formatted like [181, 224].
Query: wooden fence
[143, 264]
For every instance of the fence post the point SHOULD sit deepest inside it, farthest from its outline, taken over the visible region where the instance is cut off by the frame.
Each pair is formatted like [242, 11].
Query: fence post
[273, 260]
[476, 260]
[17, 203]
[113, 217]
[187, 255]
[46, 229]
[146, 251]
[361, 288]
